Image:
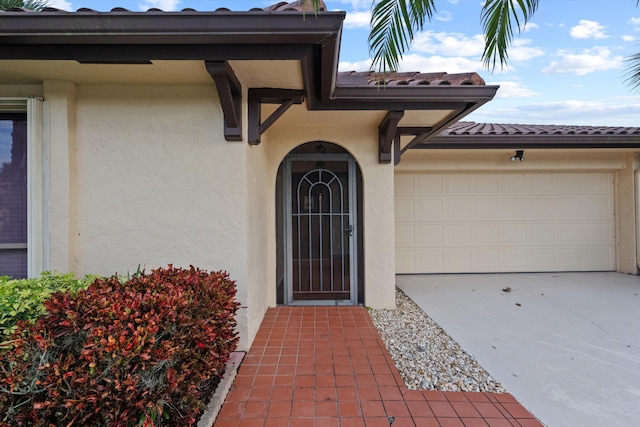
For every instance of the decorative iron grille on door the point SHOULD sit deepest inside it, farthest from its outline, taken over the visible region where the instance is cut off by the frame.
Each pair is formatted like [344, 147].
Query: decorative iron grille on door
[321, 230]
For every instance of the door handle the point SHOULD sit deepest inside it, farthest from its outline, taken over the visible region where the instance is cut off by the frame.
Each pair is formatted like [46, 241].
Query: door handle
[349, 230]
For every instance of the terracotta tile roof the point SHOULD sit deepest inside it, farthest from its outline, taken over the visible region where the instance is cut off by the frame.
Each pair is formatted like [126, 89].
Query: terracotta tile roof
[296, 6]
[354, 78]
[471, 135]
[483, 129]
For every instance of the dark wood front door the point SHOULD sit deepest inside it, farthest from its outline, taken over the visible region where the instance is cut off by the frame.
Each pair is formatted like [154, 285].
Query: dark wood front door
[320, 229]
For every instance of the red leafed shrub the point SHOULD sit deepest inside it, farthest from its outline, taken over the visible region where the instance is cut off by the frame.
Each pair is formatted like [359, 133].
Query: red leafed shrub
[146, 352]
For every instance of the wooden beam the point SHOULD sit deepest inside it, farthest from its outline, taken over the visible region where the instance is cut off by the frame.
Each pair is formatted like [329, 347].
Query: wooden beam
[258, 96]
[421, 135]
[230, 94]
[386, 134]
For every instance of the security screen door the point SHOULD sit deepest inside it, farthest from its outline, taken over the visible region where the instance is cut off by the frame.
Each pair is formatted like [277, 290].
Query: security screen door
[320, 207]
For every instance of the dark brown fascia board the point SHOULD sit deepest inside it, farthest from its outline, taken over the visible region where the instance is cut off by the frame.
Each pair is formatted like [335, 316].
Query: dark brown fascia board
[88, 53]
[167, 27]
[512, 142]
[405, 97]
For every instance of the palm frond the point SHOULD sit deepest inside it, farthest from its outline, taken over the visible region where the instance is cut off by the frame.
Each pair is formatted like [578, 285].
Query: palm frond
[633, 71]
[25, 4]
[498, 17]
[393, 27]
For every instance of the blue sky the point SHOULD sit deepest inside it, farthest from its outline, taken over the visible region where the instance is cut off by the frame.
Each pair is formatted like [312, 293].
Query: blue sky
[567, 66]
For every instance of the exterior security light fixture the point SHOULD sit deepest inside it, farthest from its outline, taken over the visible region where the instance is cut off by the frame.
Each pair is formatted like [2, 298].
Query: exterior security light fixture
[519, 155]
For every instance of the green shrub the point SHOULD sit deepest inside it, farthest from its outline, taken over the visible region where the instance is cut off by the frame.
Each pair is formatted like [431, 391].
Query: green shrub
[22, 299]
[142, 352]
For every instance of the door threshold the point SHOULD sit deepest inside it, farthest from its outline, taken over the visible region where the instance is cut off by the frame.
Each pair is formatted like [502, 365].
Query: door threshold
[322, 303]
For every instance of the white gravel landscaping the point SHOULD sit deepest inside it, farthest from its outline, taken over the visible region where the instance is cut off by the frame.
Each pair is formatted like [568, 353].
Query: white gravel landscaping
[427, 358]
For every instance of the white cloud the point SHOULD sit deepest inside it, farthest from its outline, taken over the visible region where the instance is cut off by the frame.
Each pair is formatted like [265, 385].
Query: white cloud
[354, 66]
[61, 4]
[512, 89]
[588, 30]
[444, 16]
[357, 4]
[166, 5]
[635, 21]
[448, 44]
[427, 64]
[596, 59]
[521, 51]
[530, 26]
[628, 38]
[453, 1]
[618, 111]
[357, 20]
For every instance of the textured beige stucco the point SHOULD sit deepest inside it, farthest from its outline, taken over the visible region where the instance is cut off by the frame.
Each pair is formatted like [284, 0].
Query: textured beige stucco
[158, 184]
[261, 286]
[61, 97]
[626, 205]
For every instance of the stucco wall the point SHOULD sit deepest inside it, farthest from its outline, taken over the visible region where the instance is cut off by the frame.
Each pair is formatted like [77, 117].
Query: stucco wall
[626, 205]
[61, 97]
[142, 175]
[261, 285]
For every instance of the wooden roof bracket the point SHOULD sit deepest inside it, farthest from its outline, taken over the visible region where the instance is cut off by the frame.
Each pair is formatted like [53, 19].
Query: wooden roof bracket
[258, 96]
[387, 133]
[230, 94]
[421, 134]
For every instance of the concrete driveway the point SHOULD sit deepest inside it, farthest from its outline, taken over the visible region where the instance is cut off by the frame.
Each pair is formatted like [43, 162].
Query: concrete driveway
[566, 345]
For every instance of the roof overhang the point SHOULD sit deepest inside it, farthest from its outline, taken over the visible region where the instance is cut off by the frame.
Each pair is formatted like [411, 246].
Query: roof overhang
[531, 142]
[470, 135]
[218, 38]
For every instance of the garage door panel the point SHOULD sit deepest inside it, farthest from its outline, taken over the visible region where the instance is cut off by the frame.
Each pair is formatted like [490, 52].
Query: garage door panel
[431, 235]
[429, 209]
[486, 209]
[457, 259]
[541, 233]
[513, 208]
[404, 209]
[486, 234]
[598, 207]
[405, 261]
[599, 258]
[542, 207]
[405, 235]
[486, 259]
[600, 183]
[541, 184]
[457, 184]
[457, 234]
[457, 209]
[430, 260]
[506, 222]
[428, 184]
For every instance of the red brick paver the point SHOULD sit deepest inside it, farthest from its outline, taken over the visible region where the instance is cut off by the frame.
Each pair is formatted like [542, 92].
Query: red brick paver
[327, 366]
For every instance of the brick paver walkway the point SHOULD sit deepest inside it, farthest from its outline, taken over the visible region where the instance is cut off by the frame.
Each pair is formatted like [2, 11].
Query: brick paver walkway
[327, 367]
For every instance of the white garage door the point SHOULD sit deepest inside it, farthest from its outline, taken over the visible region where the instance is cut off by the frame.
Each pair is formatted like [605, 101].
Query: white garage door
[504, 222]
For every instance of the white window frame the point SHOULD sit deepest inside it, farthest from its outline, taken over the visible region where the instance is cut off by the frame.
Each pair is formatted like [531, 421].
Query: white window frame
[38, 243]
